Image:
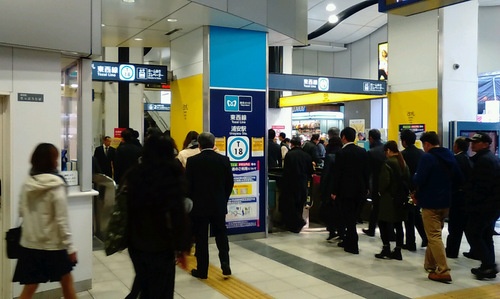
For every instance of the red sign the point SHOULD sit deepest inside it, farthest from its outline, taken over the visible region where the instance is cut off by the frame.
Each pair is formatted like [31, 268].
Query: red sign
[118, 132]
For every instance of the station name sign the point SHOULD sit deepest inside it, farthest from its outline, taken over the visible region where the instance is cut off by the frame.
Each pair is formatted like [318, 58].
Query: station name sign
[326, 84]
[127, 72]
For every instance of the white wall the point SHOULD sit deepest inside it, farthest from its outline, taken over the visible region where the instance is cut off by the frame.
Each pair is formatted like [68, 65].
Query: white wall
[458, 44]
[187, 54]
[360, 60]
[489, 39]
[30, 123]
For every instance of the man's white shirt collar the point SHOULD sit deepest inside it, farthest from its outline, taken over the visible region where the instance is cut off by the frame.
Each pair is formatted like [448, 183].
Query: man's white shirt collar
[347, 144]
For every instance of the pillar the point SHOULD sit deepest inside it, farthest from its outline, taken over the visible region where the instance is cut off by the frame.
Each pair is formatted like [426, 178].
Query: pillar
[423, 86]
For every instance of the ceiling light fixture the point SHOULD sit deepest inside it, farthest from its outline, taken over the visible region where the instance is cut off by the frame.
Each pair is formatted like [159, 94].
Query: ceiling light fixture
[172, 20]
[331, 7]
[102, 25]
[333, 19]
[128, 1]
[138, 39]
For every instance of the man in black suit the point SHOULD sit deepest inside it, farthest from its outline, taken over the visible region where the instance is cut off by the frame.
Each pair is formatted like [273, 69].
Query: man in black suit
[105, 156]
[412, 156]
[376, 158]
[350, 185]
[297, 171]
[127, 155]
[273, 150]
[210, 183]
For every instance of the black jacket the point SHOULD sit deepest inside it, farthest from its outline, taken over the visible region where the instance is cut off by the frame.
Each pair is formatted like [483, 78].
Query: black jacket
[127, 155]
[105, 161]
[412, 156]
[157, 219]
[311, 149]
[483, 187]
[210, 183]
[297, 171]
[350, 174]
[376, 158]
[273, 154]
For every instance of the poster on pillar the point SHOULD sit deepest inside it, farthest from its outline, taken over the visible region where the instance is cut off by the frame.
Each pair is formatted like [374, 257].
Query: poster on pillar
[238, 116]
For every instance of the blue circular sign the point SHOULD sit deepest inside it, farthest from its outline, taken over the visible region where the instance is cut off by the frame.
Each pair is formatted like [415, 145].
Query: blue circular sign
[238, 148]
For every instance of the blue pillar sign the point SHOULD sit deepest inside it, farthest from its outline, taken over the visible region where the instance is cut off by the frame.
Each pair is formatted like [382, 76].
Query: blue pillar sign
[237, 115]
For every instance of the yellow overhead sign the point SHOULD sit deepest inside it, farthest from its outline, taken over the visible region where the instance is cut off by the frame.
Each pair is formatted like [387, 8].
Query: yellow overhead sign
[323, 98]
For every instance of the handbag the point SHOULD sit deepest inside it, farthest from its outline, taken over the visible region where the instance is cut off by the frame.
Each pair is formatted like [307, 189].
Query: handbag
[13, 238]
[116, 234]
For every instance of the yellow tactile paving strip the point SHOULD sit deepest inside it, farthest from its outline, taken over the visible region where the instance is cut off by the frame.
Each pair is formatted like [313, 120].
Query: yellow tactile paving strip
[230, 287]
[489, 291]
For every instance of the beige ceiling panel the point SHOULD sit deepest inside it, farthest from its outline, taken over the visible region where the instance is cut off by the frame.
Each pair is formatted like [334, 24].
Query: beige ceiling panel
[199, 15]
[139, 14]
[255, 10]
[114, 36]
[288, 17]
[217, 4]
[148, 38]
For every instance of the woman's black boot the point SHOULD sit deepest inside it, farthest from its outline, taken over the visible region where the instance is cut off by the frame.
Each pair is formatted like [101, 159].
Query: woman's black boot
[385, 253]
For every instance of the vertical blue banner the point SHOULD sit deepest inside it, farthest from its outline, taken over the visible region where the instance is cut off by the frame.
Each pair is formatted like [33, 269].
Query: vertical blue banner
[238, 72]
[236, 118]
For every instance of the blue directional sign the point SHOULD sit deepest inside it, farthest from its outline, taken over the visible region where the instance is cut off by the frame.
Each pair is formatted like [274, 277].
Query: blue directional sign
[127, 72]
[156, 107]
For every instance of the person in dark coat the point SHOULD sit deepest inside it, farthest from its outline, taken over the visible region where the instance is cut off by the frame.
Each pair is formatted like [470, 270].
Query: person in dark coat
[273, 150]
[310, 147]
[457, 219]
[158, 222]
[483, 204]
[334, 143]
[105, 156]
[210, 183]
[329, 209]
[391, 213]
[436, 172]
[297, 171]
[127, 155]
[412, 156]
[376, 158]
[350, 185]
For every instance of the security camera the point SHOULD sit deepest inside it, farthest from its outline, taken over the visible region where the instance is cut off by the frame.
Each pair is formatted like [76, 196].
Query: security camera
[456, 66]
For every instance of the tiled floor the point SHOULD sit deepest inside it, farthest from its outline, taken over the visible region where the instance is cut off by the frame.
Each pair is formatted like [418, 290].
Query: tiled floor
[304, 265]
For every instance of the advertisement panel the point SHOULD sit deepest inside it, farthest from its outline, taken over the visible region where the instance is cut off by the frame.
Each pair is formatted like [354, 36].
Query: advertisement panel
[236, 122]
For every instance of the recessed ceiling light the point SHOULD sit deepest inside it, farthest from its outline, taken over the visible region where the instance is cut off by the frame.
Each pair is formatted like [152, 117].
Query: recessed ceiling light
[138, 39]
[74, 85]
[128, 1]
[331, 7]
[333, 19]
[102, 25]
[172, 20]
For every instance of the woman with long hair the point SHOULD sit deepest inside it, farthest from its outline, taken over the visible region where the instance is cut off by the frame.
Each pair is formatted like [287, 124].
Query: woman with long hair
[189, 147]
[48, 252]
[394, 175]
[158, 223]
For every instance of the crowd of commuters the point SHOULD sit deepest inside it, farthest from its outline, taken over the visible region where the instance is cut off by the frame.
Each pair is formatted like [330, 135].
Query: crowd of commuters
[409, 190]
[171, 198]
